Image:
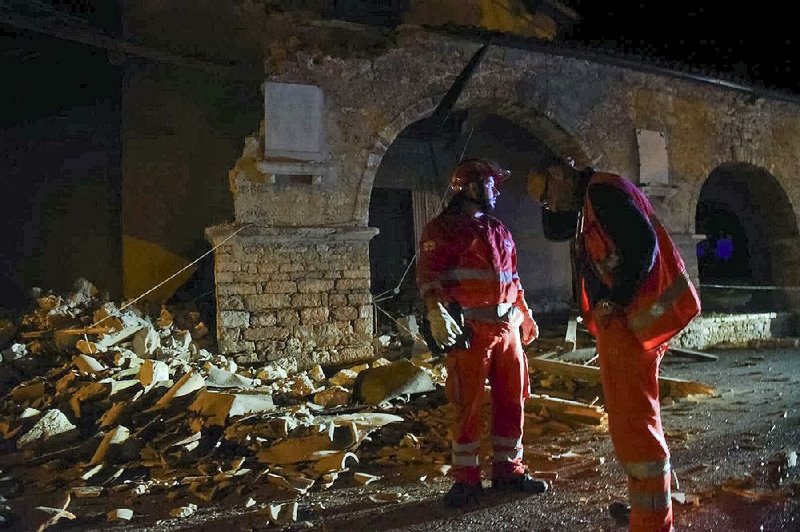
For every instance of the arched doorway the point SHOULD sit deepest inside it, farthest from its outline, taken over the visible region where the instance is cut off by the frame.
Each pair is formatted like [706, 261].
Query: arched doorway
[409, 189]
[750, 238]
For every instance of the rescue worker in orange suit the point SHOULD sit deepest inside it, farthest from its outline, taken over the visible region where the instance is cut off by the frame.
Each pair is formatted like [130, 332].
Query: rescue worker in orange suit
[634, 297]
[469, 259]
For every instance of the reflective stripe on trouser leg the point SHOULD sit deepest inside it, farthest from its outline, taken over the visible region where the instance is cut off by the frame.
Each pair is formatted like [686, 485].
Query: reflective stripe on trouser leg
[649, 495]
[507, 449]
[509, 381]
[465, 454]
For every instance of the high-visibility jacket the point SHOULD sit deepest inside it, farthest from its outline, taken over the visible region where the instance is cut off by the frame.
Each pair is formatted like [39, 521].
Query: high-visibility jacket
[469, 261]
[666, 301]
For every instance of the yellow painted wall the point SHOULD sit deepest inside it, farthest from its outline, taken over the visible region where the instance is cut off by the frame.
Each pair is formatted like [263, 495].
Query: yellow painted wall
[144, 265]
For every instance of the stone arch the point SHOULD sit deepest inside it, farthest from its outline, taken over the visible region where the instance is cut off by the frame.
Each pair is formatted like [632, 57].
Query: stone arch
[548, 131]
[756, 199]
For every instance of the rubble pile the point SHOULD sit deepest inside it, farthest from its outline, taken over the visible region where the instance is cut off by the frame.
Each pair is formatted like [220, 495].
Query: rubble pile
[133, 404]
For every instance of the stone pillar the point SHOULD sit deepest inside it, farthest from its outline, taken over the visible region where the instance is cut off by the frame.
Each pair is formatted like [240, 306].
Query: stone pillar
[300, 296]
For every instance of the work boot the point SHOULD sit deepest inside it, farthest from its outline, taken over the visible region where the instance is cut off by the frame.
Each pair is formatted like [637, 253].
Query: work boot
[620, 511]
[463, 494]
[524, 483]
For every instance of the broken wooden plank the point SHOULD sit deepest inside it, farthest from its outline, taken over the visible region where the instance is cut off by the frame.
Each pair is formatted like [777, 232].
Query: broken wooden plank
[668, 387]
[564, 410]
[33, 335]
[690, 353]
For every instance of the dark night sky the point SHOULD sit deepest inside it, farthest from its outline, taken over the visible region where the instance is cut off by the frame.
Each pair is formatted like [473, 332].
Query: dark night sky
[752, 42]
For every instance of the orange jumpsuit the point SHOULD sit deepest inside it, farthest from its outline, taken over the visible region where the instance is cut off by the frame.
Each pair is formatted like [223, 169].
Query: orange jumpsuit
[631, 345]
[473, 262]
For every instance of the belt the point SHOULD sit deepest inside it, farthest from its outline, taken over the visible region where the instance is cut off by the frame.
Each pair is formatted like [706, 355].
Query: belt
[492, 314]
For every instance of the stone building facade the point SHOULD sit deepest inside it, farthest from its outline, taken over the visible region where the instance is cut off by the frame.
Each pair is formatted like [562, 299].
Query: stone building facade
[295, 282]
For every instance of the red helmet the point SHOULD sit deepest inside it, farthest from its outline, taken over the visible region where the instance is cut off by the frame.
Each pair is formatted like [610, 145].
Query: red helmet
[477, 171]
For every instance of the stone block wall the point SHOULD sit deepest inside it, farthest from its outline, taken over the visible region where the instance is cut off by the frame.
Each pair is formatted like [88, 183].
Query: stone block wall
[298, 296]
[708, 331]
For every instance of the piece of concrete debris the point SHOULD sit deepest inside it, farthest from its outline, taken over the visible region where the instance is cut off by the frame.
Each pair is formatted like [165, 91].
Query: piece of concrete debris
[299, 484]
[216, 407]
[333, 461]
[15, 352]
[86, 347]
[90, 392]
[146, 342]
[250, 502]
[316, 373]
[165, 319]
[116, 436]
[383, 340]
[387, 382]
[189, 383]
[296, 450]
[685, 498]
[88, 364]
[272, 373]
[153, 371]
[344, 377]
[219, 378]
[380, 362]
[52, 423]
[119, 386]
[283, 514]
[87, 492]
[120, 514]
[25, 393]
[299, 385]
[365, 421]
[183, 511]
[365, 478]
[327, 480]
[115, 337]
[92, 472]
[29, 412]
[199, 331]
[333, 396]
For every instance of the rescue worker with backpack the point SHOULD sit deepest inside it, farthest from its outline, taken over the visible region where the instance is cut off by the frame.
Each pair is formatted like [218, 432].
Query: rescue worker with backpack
[476, 312]
[634, 296]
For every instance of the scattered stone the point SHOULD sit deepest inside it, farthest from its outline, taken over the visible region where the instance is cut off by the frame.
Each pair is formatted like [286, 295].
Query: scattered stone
[365, 478]
[219, 378]
[183, 511]
[52, 423]
[87, 364]
[15, 352]
[152, 371]
[283, 514]
[316, 373]
[216, 407]
[120, 514]
[387, 382]
[333, 396]
[84, 492]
